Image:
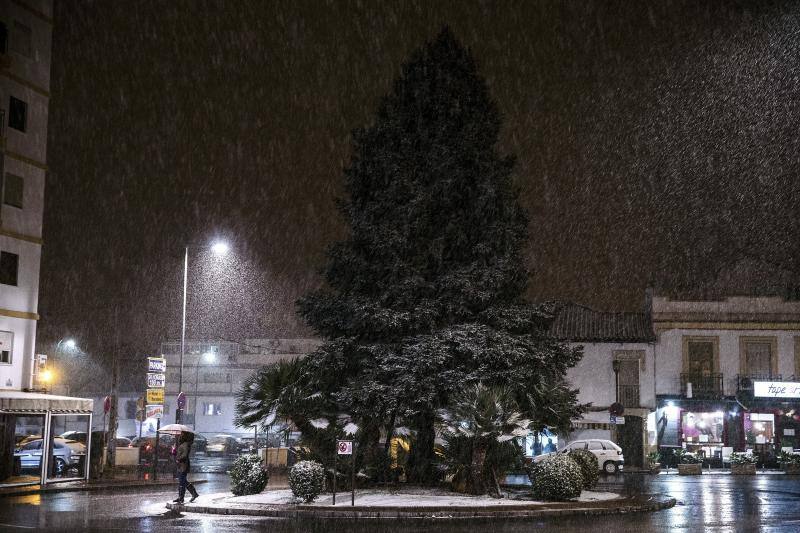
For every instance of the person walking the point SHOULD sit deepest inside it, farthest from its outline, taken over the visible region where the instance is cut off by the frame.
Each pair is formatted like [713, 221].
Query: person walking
[182, 458]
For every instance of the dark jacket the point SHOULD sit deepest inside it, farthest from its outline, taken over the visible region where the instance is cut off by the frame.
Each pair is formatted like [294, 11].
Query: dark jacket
[182, 457]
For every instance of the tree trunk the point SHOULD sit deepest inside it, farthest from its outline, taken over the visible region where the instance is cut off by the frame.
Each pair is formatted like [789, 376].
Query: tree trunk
[422, 457]
[477, 485]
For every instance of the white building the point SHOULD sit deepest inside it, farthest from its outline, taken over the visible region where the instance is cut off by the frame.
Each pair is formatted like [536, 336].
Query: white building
[25, 42]
[617, 366]
[713, 358]
[214, 371]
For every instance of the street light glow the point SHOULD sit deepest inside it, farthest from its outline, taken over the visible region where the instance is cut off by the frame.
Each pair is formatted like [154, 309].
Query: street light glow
[46, 376]
[220, 248]
[209, 357]
[70, 344]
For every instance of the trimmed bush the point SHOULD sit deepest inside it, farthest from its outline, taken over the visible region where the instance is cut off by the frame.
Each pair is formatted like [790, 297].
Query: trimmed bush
[557, 477]
[248, 476]
[307, 480]
[589, 468]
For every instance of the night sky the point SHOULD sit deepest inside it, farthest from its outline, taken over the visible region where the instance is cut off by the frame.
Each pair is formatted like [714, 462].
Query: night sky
[657, 143]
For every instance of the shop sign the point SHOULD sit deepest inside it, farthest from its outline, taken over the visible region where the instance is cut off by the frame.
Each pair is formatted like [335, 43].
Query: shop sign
[154, 411]
[155, 381]
[618, 420]
[776, 389]
[155, 396]
[156, 364]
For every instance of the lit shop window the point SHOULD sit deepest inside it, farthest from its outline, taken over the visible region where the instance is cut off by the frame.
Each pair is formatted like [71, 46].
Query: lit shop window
[759, 428]
[702, 427]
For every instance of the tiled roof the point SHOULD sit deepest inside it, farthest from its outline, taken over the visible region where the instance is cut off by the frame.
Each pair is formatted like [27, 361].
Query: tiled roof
[577, 323]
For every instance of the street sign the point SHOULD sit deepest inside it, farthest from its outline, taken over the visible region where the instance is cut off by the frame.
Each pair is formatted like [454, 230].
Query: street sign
[154, 411]
[618, 420]
[140, 403]
[344, 447]
[155, 396]
[181, 400]
[156, 381]
[140, 415]
[156, 364]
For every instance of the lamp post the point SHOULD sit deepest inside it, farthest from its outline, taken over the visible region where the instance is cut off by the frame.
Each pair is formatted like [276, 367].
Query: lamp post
[219, 248]
[63, 346]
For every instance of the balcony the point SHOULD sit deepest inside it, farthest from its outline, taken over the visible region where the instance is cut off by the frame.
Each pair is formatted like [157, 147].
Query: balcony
[628, 395]
[704, 386]
[744, 382]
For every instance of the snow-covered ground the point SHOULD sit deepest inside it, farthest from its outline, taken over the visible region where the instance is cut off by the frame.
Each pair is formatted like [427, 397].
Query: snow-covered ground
[405, 498]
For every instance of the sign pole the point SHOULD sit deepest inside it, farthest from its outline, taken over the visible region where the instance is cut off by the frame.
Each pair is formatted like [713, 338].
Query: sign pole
[155, 451]
[335, 455]
[353, 476]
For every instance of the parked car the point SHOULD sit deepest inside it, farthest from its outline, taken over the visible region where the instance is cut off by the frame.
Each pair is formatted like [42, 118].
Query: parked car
[609, 455]
[200, 443]
[248, 444]
[67, 453]
[147, 446]
[79, 436]
[122, 442]
[222, 445]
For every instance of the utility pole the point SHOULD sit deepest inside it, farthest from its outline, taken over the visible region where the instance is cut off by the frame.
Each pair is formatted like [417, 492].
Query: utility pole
[113, 415]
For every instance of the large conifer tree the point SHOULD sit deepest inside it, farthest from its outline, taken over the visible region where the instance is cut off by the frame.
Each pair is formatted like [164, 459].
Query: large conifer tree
[426, 293]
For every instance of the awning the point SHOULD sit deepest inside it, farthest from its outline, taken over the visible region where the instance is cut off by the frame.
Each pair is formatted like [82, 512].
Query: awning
[34, 402]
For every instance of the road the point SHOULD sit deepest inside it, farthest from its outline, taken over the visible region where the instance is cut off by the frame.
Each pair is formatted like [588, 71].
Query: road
[768, 503]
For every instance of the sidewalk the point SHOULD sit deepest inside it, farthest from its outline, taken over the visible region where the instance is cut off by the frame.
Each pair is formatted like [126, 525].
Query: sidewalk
[93, 485]
[415, 503]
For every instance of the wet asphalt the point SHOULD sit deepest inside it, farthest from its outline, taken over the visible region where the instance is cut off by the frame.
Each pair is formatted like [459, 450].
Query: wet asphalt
[711, 503]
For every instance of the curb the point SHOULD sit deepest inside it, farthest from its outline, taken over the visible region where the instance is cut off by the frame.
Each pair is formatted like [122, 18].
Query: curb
[624, 506]
[91, 488]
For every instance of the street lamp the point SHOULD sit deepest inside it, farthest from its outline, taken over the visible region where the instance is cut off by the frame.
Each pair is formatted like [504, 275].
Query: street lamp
[220, 248]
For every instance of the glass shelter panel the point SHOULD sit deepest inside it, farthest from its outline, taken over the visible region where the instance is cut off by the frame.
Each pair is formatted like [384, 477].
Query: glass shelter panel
[68, 450]
[21, 443]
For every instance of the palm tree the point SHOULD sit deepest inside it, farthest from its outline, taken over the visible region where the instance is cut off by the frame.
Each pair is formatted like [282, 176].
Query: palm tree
[269, 394]
[482, 414]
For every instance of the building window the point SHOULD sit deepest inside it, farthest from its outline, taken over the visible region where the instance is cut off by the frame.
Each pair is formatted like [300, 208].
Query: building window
[9, 266]
[758, 357]
[21, 39]
[212, 409]
[13, 189]
[6, 342]
[3, 38]
[700, 357]
[17, 114]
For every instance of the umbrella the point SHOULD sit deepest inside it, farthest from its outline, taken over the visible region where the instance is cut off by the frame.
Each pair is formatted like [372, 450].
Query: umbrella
[175, 429]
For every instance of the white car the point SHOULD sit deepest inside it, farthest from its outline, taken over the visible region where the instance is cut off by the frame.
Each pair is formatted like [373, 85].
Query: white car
[609, 455]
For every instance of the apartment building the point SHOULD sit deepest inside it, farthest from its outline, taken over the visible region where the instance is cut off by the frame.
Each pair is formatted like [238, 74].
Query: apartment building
[25, 42]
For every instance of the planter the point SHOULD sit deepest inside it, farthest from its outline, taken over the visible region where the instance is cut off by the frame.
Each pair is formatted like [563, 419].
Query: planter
[655, 468]
[690, 470]
[743, 469]
[792, 470]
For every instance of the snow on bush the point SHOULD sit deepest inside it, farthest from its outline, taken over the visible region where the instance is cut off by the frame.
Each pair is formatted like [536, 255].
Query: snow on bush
[557, 477]
[589, 468]
[248, 476]
[307, 480]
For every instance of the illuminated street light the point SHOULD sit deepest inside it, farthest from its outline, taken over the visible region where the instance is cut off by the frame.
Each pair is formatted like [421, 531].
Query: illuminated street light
[70, 344]
[219, 248]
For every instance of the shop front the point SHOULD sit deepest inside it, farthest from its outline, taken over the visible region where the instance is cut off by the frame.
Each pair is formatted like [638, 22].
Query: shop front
[43, 438]
[711, 430]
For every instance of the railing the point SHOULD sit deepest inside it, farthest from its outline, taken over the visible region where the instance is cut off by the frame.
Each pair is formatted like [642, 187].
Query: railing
[629, 395]
[704, 386]
[745, 381]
